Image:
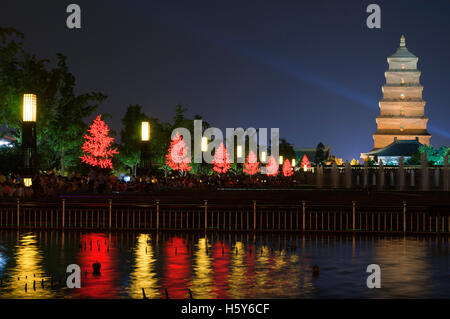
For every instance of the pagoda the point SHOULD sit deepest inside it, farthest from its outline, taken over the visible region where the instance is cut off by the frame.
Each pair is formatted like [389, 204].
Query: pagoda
[402, 109]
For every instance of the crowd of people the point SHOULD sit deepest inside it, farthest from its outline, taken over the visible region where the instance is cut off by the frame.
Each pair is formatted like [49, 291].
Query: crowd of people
[49, 184]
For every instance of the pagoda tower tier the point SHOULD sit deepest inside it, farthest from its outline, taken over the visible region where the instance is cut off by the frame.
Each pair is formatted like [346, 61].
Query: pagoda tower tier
[402, 109]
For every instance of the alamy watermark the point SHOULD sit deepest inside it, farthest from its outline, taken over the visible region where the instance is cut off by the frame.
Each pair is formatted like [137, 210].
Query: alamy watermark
[238, 142]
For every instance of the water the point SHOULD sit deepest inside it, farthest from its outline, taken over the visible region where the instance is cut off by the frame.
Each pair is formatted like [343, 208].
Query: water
[222, 265]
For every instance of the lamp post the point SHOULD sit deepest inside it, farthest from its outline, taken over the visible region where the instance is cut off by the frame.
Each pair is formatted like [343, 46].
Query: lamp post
[204, 144]
[145, 166]
[29, 136]
[263, 156]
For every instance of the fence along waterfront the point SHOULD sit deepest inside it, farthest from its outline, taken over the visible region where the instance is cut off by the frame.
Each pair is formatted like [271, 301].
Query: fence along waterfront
[107, 215]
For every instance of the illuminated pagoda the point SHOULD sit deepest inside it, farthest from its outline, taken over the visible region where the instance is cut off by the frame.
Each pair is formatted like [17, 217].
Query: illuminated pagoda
[402, 117]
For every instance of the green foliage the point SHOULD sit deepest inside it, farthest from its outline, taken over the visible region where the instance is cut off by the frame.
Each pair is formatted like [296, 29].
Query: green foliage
[286, 149]
[130, 136]
[9, 157]
[320, 153]
[235, 168]
[60, 112]
[434, 156]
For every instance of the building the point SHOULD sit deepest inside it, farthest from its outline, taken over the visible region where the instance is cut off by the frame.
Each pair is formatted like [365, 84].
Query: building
[312, 153]
[402, 109]
[390, 154]
[7, 141]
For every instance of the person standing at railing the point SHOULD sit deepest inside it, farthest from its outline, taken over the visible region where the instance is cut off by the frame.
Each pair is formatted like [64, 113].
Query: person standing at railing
[20, 190]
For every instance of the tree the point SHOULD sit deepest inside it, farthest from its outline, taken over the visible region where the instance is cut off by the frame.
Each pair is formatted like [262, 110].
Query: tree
[221, 160]
[339, 161]
[434, 157]
[272, 167]
[177, 157]
[251, 166]
[60, 125]
[370, 161]
[130, 136]
[320, 153]
[67, 126]
[287, 168]
[286, 149]
[97, 145]
[305, 161]
[179, 119]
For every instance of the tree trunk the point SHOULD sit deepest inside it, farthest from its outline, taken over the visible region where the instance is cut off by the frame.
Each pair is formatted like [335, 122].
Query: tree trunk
[62, 161]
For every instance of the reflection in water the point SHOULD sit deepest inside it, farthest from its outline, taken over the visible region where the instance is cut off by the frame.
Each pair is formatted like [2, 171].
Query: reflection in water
[406, 265]
[96, 248]
[143, 275]
[177, 270]
[2, 262]
[221, 265]
[201, 281]
[221, 262]
[27, 272]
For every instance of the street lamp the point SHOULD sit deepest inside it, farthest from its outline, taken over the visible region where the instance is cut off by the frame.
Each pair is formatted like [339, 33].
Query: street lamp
[204, 144]
[29, 134]
[145, 166]
[293, 162]
[263, 156]
[27, 181]
[145, 131]
[281, 160]
[239, 151]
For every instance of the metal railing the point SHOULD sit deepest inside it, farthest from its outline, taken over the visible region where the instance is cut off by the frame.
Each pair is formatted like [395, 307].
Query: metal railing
[304, 217]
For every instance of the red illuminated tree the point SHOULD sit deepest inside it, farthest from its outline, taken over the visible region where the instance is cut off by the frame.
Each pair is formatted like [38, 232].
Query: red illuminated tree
[251, 166]
[177, 156]
[305, 161]
[272, 167]
[97, 150]
[287, 168]
[221, 160]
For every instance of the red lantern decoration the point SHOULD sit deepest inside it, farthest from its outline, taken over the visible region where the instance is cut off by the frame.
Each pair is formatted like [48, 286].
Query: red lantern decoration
[97, 145]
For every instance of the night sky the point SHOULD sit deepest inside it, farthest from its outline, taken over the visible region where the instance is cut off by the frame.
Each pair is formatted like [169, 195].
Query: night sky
[311, 68]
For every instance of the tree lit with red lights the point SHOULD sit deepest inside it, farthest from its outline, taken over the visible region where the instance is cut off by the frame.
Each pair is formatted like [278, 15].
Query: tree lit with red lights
[287, 168]
[221, 160]
[97, 150]
[305, 161]
[251, 166]
[177, 157]
[272, 167]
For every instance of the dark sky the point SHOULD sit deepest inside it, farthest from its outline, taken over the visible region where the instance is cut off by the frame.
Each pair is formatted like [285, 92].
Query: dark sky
[311, 68]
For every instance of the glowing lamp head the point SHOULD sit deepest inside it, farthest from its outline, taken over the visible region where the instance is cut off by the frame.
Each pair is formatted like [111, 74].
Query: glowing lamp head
[29, 108]
[281, 160]
[145, 131]
[263, 157]
[27, 181]
[305, 168]
[204, 144]
[239, 151]
[293, 162]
